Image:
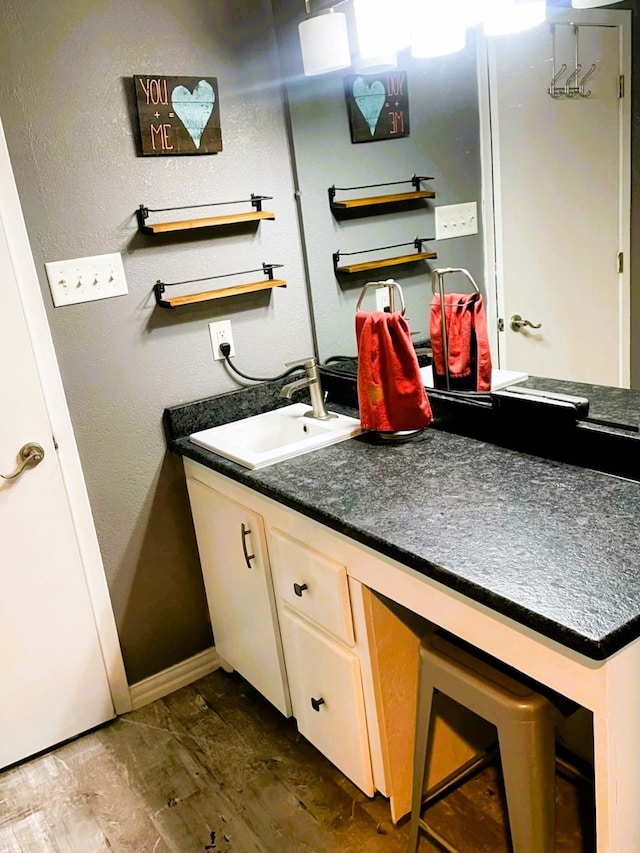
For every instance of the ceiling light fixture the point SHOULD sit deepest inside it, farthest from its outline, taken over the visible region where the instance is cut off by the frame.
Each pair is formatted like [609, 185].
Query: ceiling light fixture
[431, 27]
[375, 64]
[591, 4]
[324, 42]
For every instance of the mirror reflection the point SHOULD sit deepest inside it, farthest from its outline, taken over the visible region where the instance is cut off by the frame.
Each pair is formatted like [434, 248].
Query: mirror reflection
[552, 264]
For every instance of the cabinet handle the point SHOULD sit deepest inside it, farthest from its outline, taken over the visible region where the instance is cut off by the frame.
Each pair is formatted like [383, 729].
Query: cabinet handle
[315, 703]
[247, 556]
[299, 589]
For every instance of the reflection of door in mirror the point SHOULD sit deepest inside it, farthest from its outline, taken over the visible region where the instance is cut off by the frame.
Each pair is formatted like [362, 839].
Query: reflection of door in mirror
[561, 174]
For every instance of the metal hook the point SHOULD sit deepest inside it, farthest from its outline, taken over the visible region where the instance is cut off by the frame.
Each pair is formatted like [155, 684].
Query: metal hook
[584, 94]
[569, 90]
[559, 91]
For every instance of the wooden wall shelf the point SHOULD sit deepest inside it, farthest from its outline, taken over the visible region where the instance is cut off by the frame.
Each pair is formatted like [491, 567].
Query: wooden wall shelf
[386, 262]
[205, 296]
[380, 200]
[380, 263]
[254, 215]
[372, 201]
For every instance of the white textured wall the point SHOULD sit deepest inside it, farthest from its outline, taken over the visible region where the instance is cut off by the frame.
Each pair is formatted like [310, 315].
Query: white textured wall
[66, 101]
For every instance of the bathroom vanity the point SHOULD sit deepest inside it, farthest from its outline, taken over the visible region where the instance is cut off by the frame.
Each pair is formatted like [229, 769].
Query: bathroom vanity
[533, 561]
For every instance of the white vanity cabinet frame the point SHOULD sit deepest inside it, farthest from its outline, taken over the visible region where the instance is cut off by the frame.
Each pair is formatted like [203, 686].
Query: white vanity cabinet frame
[607, 688]
[368, 771]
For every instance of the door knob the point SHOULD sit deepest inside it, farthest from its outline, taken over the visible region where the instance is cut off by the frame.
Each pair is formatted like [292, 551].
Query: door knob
[516, 322]
[31, 455]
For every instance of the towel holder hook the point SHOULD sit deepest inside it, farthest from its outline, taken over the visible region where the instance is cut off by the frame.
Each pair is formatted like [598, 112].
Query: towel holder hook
[392, 287]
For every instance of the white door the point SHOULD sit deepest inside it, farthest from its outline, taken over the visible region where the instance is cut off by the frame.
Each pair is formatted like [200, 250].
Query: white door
[53, 681]
[561, 183]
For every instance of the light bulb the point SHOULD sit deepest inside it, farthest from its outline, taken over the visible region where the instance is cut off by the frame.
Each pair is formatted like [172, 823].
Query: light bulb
[513, 16]
[382, 26]
[438, 29]
[591, 4]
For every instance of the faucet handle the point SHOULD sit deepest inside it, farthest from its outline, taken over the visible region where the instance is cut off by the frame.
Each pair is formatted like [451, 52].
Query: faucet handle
[309, 361]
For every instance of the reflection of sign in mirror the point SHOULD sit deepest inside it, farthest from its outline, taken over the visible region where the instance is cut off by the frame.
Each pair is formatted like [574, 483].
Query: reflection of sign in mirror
[378, 106]
[178, 115]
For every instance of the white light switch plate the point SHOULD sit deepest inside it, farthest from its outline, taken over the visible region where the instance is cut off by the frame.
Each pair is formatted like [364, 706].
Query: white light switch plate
[456, 220]
[86, 279]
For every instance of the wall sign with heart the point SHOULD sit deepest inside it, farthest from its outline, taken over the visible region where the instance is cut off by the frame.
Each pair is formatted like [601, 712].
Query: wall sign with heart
[178, 115]
[378, 106]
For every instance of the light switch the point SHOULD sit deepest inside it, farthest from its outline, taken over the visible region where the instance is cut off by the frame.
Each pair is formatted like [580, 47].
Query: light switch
[86, 279]
[456, 220]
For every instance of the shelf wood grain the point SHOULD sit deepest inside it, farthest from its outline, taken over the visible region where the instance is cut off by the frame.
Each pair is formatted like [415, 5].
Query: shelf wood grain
[208, 222]
[372, 201]
[386, 262]
[221, 293]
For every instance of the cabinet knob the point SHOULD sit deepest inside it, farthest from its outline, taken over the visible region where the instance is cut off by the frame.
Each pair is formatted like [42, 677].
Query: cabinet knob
[247, 556]
[299, 589]
[315, 703]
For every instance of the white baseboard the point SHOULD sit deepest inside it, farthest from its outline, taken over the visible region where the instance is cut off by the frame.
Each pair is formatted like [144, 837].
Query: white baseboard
[165, 682]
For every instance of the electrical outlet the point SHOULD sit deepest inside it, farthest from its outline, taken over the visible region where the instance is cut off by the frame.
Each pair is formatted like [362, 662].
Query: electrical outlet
[221, 334]
[86, 279]
[456, 220]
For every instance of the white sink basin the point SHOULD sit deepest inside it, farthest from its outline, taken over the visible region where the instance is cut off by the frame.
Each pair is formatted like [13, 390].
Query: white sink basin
[273, 436]
[499, 378]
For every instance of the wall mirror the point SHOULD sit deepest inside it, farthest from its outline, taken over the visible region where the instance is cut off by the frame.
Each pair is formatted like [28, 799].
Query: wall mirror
[558, 250]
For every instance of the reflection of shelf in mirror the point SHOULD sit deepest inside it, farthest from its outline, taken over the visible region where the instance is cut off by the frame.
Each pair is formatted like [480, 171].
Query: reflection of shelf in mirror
[205, 296]
[348, 204]
[380, 263]
[387, 262]
[380, 200]
[205, 222]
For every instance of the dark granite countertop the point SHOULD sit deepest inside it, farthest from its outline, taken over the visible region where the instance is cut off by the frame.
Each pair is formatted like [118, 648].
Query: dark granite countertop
[551, 545]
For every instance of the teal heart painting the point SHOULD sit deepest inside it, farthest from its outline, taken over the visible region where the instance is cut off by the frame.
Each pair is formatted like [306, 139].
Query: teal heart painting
[370, 100]
[194, 108]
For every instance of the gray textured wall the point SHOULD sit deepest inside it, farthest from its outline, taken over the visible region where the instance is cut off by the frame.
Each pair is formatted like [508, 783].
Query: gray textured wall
[66, 102]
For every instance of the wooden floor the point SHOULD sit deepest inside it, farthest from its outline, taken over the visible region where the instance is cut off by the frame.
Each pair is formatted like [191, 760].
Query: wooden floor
[213, 768]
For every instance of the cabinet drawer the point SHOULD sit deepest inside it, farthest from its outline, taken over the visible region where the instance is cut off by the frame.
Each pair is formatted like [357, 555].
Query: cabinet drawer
[313, 584]
[327, 698]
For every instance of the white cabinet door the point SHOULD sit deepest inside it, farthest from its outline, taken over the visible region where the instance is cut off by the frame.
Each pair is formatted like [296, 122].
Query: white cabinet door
[237, 580]
[327, 698]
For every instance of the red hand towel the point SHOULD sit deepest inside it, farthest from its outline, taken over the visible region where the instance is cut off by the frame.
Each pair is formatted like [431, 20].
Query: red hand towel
[467, 339]
[390, 389]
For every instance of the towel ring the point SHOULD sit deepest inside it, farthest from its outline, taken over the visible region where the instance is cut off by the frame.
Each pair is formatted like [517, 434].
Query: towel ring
[438, 275]
[437, 286]
[392, 286]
